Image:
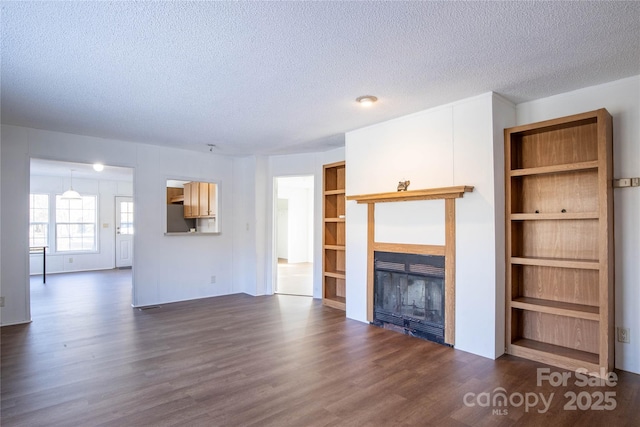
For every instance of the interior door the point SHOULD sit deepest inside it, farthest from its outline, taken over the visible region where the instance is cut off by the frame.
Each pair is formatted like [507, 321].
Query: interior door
[124, 231]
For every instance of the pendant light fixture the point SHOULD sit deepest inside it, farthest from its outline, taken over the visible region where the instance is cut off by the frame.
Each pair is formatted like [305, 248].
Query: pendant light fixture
[71, 194]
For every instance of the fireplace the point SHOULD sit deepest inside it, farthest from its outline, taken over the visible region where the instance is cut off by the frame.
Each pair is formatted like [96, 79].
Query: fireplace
[409, 294]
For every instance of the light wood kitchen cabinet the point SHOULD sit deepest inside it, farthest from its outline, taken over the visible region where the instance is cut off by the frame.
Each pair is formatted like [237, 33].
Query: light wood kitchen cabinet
[200, 200]
[189, 203]
[213, 200]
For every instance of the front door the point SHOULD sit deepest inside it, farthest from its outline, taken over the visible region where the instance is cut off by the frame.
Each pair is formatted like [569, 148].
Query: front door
[124, 231]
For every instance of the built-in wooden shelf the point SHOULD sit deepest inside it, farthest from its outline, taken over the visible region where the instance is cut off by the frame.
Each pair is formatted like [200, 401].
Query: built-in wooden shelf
[559, 262]
[561, 308]
[336, 302]
[568, 167]
[335, 274]
[334, 220]
[553, 216]
[177, 199]
[555, 355]
[333, 236]
[427, 194]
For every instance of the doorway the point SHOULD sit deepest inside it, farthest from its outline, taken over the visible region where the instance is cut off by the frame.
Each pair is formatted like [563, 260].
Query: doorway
[88, 231]
[294, 235]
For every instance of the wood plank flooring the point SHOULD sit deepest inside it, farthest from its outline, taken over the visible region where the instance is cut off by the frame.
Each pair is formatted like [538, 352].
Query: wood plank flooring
[90, 359]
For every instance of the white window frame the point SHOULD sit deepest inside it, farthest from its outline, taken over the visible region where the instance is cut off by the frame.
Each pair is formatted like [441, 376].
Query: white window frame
[83, 222]
[128, 230]
[35, 223]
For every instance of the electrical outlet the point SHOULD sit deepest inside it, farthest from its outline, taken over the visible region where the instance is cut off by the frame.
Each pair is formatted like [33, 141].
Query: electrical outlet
[70, 260]
[213, 279]
[1, 301]
[623, 335]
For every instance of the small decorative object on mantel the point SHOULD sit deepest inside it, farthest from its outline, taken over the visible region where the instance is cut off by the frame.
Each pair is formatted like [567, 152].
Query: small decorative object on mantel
[403, 185]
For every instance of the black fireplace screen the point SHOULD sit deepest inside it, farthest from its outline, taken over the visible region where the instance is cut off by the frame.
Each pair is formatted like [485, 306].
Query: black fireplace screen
[409, 293]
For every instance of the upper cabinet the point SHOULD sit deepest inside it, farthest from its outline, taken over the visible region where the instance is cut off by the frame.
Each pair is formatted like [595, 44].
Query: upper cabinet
[200, 200]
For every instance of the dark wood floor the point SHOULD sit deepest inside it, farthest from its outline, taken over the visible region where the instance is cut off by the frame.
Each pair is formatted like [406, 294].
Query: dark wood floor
[89, 359]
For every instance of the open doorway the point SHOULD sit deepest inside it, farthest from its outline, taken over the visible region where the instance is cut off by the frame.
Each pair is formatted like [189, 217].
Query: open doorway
[84, 230]
[294, 235]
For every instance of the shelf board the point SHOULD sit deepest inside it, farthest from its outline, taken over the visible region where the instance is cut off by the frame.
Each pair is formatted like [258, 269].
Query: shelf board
[570, 167]
[333, 192]
[405, 196]
[177, 199]
[560, 308]
[335, 274]
[334, 219]
[554, 354]
[553, 216]
[335, 302]
[557, 262]
[335, 247]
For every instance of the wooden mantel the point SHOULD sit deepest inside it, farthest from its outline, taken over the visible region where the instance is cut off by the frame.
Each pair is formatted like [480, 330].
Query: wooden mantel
[406, 196]
[448, 194]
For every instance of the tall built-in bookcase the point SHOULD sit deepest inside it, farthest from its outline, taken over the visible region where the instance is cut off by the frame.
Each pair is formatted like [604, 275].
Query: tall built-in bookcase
[559, 260]
[333, 236]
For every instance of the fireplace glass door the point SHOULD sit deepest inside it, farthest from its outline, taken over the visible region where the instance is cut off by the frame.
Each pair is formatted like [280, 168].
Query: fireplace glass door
[409, 293]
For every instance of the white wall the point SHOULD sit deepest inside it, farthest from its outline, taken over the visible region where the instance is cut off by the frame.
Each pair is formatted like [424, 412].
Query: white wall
[167, 268]
[14, 193]
[244, 226]
[504, 116]
[451, 145]
[104, 257]
[282, 244]
[622, 99]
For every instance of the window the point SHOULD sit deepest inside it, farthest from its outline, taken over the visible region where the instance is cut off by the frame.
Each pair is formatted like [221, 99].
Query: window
[76, 224]
[126, 217]
[38, 219]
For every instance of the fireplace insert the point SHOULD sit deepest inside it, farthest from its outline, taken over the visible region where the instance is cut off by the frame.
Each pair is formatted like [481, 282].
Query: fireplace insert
[409, 294]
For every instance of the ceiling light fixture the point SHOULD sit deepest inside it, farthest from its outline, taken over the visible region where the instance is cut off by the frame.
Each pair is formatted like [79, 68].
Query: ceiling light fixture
[211, 147]
[71, 194]
[366, 100]
[98, 167]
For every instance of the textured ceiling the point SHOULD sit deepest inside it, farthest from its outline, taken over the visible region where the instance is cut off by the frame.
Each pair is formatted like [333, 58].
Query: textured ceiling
[281, 77]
